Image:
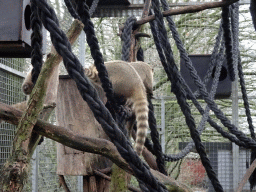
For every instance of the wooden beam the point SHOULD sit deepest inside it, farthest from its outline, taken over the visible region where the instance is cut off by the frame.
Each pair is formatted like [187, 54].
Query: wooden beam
[248, 173]
[188, 9]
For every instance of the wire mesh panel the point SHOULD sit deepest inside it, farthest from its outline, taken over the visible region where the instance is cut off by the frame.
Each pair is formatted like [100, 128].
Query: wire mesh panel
[189, 170]
[48, 180]
[10, 93]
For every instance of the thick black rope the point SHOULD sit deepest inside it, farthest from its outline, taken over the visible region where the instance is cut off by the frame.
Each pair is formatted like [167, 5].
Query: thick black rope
[140, 54]
[155, 138]
[191, 95]
[228, 41]
[184, 55]
[82, 14]
[73, 12]
[89, 94]
[241, 79]
[117, 111]
[234, 22]
[71, 9]
[213, 106]
[213, 58]
[253, 12]
[36, 43]
[126, 38]
[172, 72]
[247, 146]
[205, 116]
[218, 113]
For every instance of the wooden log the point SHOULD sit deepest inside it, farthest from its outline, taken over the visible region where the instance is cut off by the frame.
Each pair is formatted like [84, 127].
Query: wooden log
[92, 184]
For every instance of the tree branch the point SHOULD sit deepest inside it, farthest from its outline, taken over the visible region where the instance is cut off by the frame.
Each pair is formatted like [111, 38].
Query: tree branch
[86, 144]
[187, 9]
[67, 137]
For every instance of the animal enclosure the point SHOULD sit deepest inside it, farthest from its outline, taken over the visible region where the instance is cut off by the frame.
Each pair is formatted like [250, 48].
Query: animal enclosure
[198, 32]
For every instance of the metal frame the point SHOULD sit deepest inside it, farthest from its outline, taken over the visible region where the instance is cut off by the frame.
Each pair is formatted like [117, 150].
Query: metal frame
[12, 71]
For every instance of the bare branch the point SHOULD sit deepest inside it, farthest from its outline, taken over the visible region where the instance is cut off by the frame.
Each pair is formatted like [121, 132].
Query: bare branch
[86, 144]
[188, 9]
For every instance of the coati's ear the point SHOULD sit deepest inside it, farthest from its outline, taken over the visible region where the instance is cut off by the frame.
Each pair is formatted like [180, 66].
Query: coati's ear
[92, 73]
[86, 71]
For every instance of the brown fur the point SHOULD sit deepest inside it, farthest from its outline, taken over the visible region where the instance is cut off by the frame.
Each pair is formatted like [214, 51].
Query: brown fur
[146, 74]
[92, 73]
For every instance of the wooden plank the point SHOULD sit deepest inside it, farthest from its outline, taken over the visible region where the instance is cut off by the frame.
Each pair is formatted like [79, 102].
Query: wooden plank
[73, 113]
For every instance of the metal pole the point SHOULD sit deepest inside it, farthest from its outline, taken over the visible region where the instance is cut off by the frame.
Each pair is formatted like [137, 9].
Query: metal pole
[235, 98]
[82, 49]
[82, 61]
[80, 183]
[235, 148]
[163, 124]
[34, 176]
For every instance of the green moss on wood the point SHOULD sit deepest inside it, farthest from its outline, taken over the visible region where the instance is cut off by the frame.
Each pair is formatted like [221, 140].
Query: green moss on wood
[118, 179]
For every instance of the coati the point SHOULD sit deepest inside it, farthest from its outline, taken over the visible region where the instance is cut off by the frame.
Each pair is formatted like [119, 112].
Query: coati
[132, 84]
[127, 82]
[143, 69]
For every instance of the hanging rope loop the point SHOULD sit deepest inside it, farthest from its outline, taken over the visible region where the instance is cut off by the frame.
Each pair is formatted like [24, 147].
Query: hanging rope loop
[36, 43]
[126, 37]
